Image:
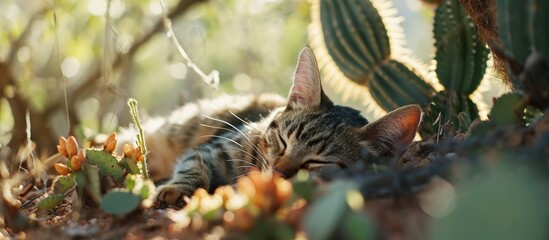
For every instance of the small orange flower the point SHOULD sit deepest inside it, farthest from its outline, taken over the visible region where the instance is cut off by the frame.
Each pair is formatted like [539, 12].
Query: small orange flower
[82, 155]
[76, 163]
[61, 169]
[201, 193]
[62, 147]
[136, 153]
[110, 143]
[283, 189]
[72, 146]
[128, 150]
[225, 192]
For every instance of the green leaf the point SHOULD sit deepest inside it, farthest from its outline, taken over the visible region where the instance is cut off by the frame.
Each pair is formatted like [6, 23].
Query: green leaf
[80, 178]
[508, 109]
[93, 186]
[50, 202]
[108, 164]
[147, 188]
[62, 184]
[130, 165]
[358, 227]
[120, 203]
[302, 187]
[130, 181]
[508, 204]
[327, 212]
[481, 129]
[139, 186]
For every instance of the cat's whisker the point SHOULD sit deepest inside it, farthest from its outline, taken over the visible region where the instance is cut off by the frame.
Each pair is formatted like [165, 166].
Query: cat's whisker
[254, 147]
[222, 137]
[244, 161]
[246, 123]
[244, 166]
[249, 154]
[262, 160]
[244, 174]
[214, 127]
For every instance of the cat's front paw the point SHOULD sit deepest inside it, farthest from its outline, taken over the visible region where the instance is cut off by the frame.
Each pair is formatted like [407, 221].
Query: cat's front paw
[171, 195]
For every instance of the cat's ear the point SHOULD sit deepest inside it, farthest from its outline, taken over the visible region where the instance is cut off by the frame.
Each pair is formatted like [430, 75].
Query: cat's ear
[307, 91]
[392, 133]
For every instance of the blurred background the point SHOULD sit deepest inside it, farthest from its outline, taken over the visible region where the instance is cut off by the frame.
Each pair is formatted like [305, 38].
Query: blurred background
[102, 52]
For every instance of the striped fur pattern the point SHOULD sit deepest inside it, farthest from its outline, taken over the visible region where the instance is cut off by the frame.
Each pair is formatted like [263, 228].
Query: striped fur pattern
[308, 132]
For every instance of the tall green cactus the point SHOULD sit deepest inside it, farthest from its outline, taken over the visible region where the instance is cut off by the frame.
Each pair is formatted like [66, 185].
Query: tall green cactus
[461, 60]
[525, 38]
[357, 41]
[460, 55]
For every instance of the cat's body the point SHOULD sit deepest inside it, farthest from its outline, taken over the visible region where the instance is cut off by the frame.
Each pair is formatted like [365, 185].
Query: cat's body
[306, 132]
[187, 127]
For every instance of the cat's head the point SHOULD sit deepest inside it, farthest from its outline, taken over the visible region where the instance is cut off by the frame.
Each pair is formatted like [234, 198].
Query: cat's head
[312, 132]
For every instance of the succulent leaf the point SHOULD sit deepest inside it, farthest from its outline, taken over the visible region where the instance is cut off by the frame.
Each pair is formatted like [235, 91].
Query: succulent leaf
[108, 164]
[80, 178]
[130, 164]
[120, 203]
[327, 212]
[508, 109]
[62, 184]
[93, 185]
[50, 202]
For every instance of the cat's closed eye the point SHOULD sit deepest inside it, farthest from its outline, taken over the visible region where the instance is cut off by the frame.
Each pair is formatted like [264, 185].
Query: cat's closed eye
[282, 144]
[313, 163]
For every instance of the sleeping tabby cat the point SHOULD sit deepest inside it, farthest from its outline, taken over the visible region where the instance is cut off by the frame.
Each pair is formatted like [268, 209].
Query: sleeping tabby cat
[308, 132]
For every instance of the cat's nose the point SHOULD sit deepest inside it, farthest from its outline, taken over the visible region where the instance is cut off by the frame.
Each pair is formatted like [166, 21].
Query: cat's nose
[286, 167]
[275, 171]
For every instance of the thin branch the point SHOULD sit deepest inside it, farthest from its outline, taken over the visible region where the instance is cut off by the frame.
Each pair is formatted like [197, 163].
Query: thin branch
[211, 79]
[95, 74]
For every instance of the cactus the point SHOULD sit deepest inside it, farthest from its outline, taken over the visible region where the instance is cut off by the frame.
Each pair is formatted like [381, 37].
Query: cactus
[99, 171]
[525, 45]
[460, 56]
[358, 43]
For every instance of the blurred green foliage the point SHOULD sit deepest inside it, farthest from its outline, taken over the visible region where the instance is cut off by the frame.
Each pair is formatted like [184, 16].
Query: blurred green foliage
[501, 205]
[252, 44]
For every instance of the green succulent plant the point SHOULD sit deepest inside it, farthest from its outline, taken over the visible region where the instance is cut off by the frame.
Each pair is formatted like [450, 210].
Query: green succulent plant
[357, 42]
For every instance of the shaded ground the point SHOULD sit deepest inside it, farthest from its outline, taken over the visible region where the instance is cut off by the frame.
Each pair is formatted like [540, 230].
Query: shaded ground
[399, 201]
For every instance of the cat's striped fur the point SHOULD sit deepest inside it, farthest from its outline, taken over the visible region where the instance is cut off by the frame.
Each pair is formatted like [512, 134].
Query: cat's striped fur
[308, 132]
[193, 124]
